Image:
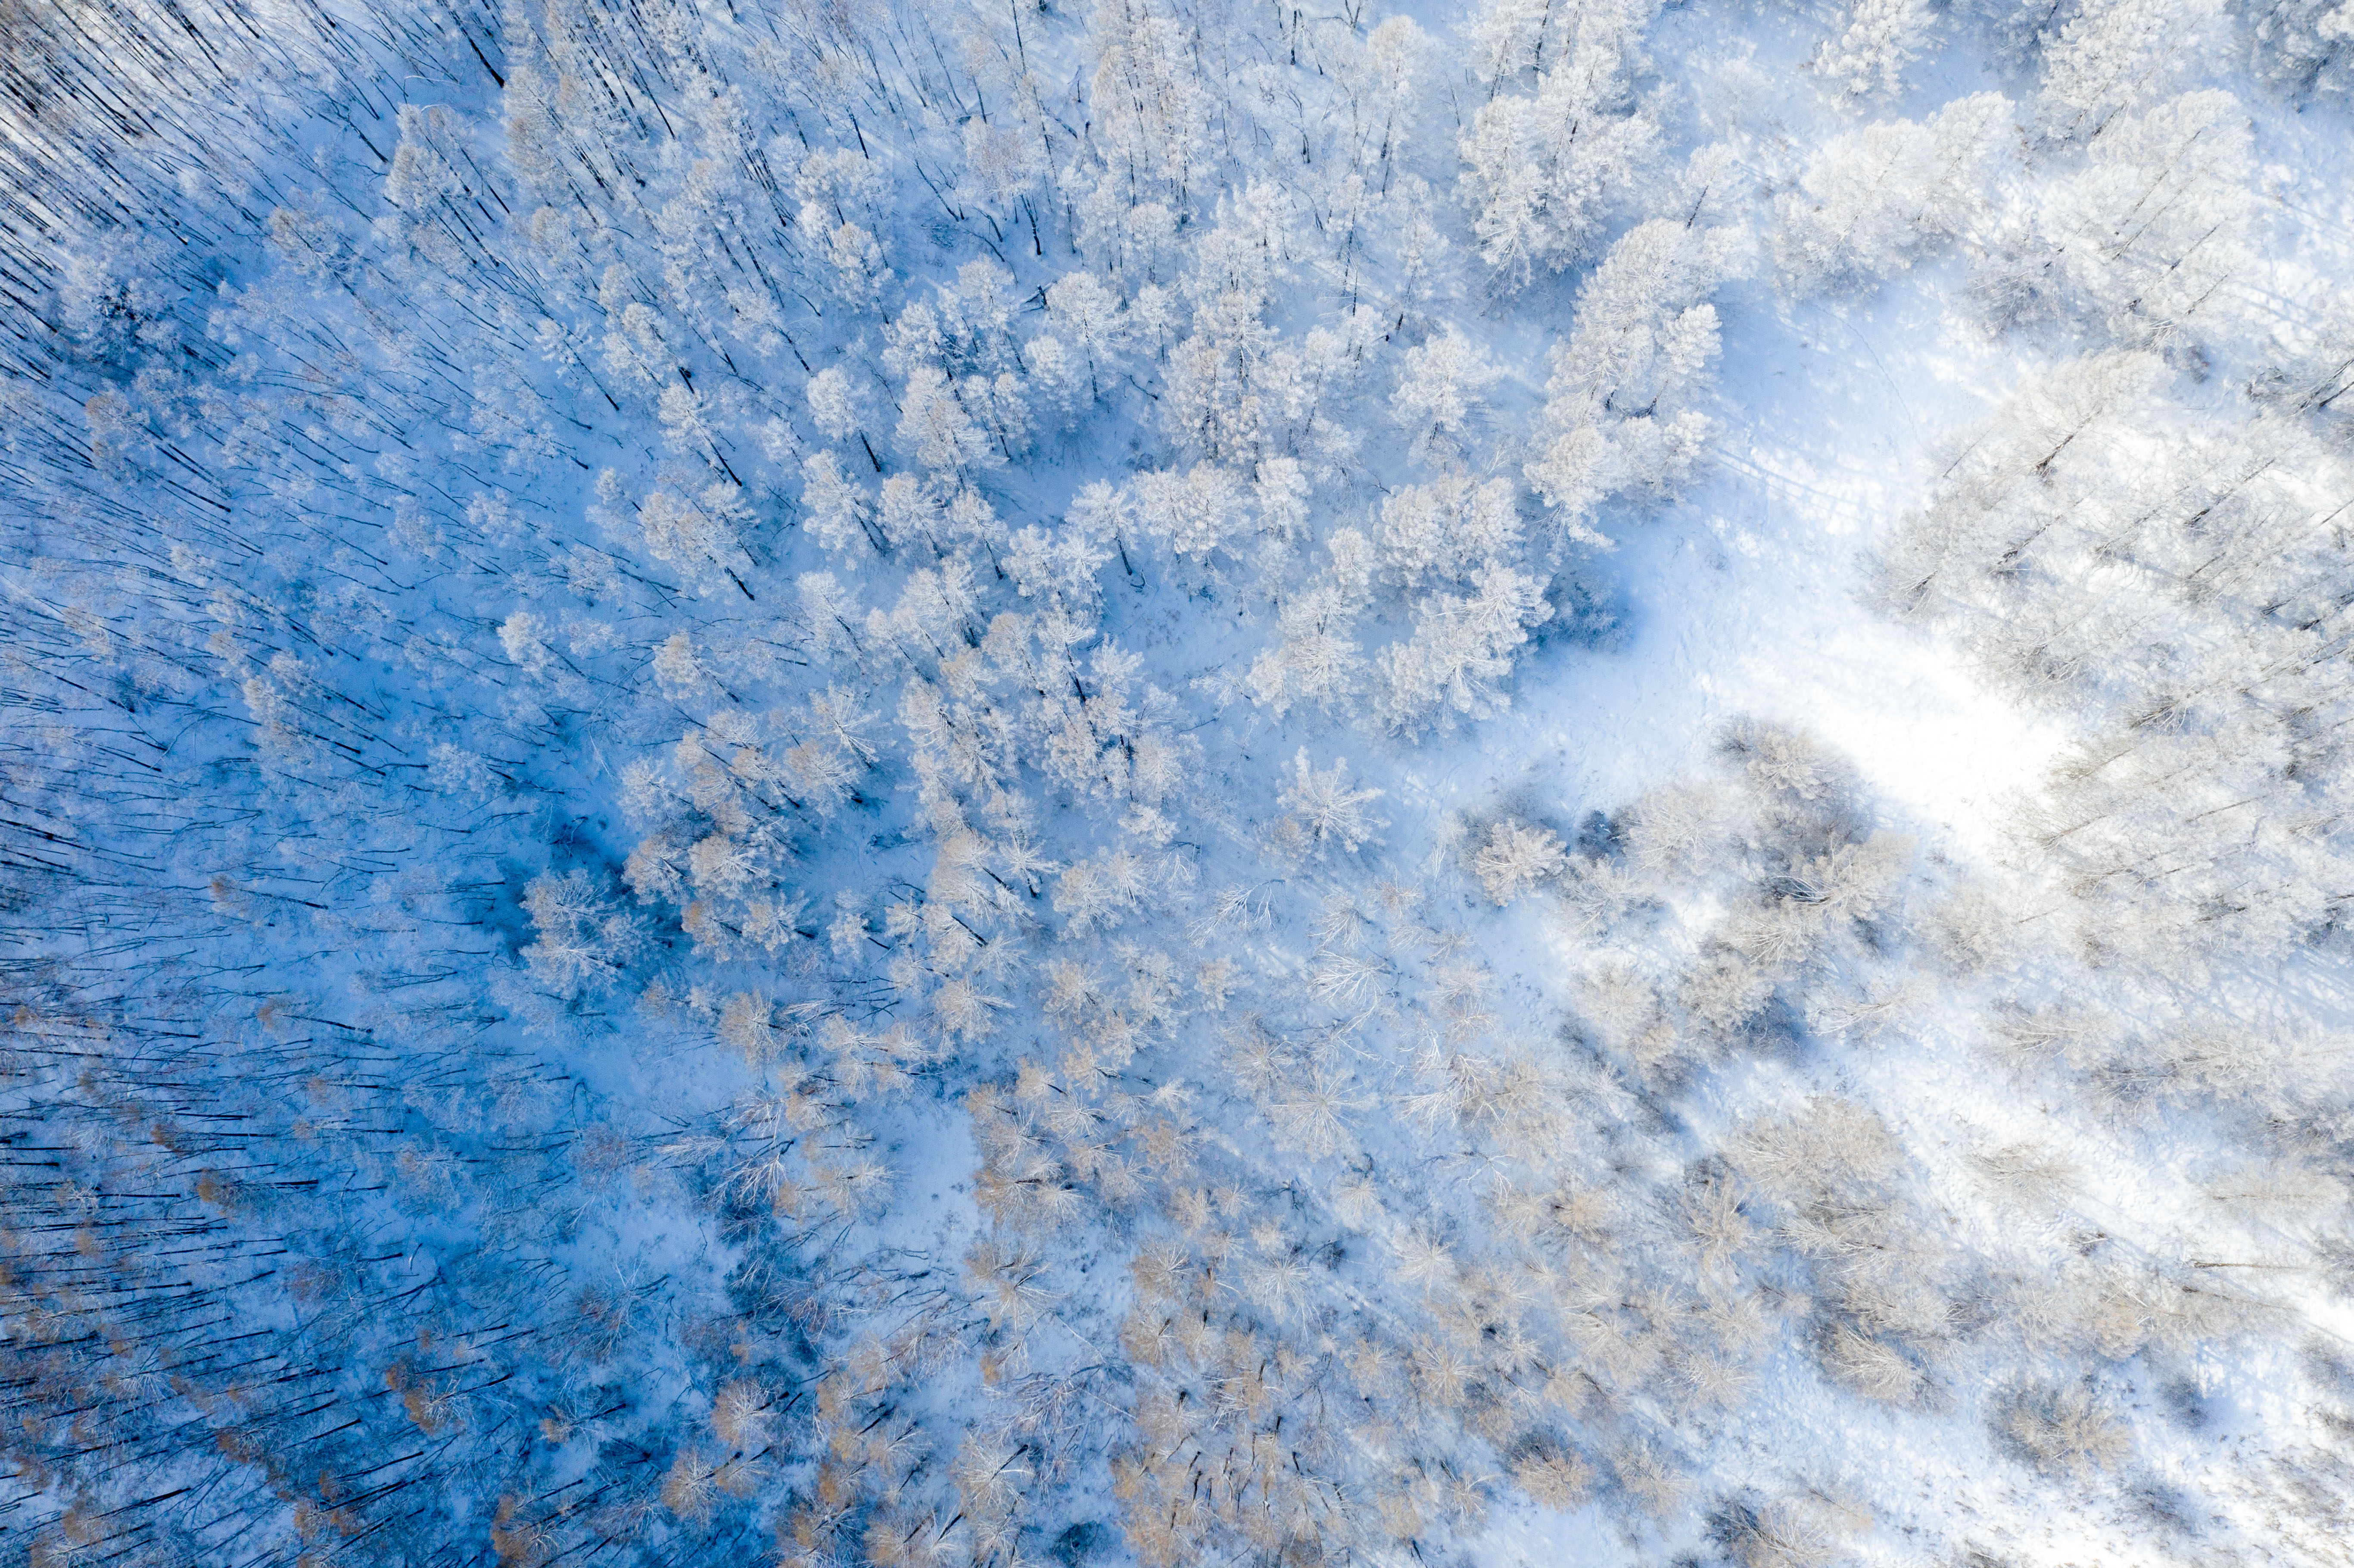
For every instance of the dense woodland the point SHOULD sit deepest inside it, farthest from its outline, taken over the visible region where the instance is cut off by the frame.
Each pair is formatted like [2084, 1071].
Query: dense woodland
[712, 852]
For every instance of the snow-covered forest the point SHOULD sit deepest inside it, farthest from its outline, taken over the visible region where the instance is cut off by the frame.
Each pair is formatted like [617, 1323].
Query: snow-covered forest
[1176, 782]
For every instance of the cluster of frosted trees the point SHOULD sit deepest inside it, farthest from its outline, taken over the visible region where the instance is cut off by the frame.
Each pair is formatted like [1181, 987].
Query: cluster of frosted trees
[683, 872]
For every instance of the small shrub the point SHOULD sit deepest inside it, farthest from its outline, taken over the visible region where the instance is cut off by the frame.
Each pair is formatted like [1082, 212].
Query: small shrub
[2062, 1430]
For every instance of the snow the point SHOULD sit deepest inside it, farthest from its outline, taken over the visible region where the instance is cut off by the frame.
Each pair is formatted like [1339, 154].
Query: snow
[1743, 599]
[392, 689]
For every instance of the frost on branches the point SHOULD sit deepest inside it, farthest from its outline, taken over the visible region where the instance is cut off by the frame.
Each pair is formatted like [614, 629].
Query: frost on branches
[845, 784]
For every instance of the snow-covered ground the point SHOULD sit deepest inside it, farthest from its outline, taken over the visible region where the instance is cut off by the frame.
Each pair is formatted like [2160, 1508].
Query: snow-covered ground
[1743, 599]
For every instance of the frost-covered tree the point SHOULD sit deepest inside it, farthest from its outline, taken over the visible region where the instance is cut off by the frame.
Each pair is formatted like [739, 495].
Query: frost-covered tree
[2116, 56]
[1545, 169]
[2157, 223]
[1874, 202]
[1444, 529]
[1515, 858]
[1880, 38]
[1462, 651]
[1437, 396]
[1326, 808]
[1618, 414]
[2098, 515]
[2301, 44]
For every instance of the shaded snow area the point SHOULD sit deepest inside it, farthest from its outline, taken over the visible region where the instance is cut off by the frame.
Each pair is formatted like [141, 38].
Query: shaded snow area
[859, 782]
